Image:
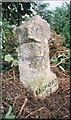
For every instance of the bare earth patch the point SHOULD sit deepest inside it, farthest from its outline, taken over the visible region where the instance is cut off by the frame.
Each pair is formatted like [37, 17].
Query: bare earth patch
[57, 105]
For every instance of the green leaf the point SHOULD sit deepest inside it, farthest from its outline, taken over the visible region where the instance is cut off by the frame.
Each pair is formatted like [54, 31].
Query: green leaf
[0, 53]
[17, 49]
[9, 111]
[54, 60]
[8, 58]
[11, 117]
[14, 63]
[9, 114]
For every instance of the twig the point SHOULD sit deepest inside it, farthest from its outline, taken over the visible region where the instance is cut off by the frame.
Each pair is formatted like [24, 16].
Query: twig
[8, 70]
[14, 75]
[22, 108]
[62, 106]
[60, 62]
[68, 89]
[5, 103]
[15, 100]
[66, 116]
[6, 80]
[60, 51]
[34, 112]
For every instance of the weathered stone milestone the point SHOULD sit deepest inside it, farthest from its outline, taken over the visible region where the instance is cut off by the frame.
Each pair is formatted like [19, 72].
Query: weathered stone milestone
[34, 63]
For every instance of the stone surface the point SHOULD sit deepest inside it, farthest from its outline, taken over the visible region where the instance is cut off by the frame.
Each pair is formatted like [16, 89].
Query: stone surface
[34, 63]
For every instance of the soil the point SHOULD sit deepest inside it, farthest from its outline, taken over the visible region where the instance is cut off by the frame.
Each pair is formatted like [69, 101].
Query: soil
[56, 106]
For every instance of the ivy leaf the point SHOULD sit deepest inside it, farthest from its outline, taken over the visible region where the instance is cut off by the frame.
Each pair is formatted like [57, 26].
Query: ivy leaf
[54, 60]
[9, 58]
[14, 63]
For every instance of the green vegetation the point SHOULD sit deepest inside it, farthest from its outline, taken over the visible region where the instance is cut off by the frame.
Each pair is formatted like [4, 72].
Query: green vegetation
[58, 19]
[14, 13]
[9, 115]
[9, 46]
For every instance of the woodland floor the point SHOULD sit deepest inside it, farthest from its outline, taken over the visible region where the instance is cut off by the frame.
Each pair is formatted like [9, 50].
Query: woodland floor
[56, 106]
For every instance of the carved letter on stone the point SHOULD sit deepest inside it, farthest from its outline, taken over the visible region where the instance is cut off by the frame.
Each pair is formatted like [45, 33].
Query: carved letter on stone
[34, 63]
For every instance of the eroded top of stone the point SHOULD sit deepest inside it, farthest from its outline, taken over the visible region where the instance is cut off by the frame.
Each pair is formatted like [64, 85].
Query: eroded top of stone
[34, 30]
